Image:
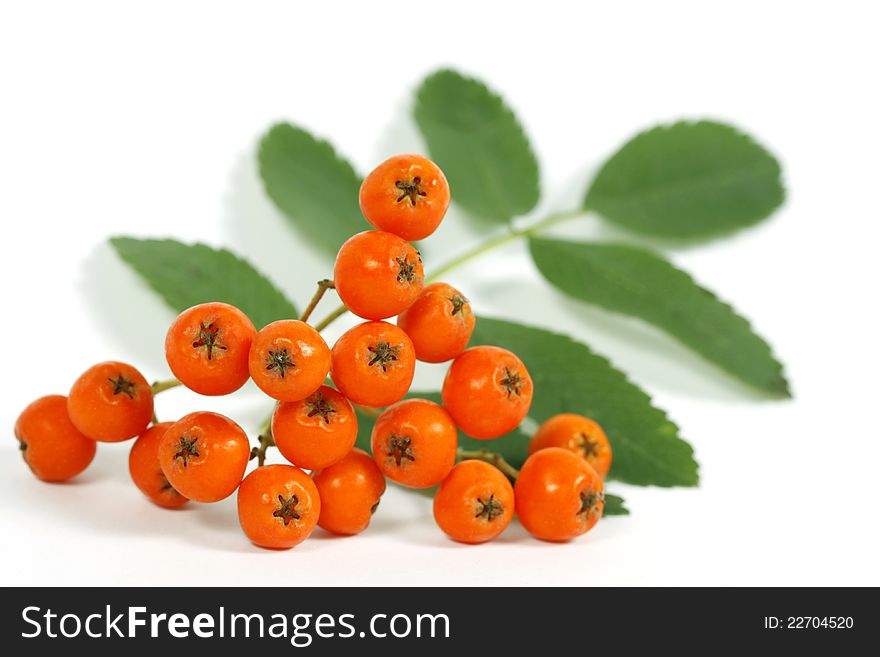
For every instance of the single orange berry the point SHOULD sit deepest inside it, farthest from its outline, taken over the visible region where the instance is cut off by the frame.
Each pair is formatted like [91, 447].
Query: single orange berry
[577, 434]
[377, 274]
[207, 348]
[146, 473]
[558, 495]
[407, 195]
[350, 490]
[474, 503]
[53, 448]
[439, 322]
[289, 360]
[414, 443]
[317, 431]
[373, 364]
[204, 455]
[278, 506]
[487, 391]
[110, 402]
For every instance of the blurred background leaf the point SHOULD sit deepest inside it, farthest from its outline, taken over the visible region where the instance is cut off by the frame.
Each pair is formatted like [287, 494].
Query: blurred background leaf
[312, 185]
[188, 274]
[480, 145]
[614, 506]
[637, 282]
[687, 180]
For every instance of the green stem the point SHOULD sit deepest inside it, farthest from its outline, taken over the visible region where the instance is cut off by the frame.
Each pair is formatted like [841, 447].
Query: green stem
[259, 453]
[323, 286]
[475, 252]
[489, 457]
[366, 410]
[162, 386]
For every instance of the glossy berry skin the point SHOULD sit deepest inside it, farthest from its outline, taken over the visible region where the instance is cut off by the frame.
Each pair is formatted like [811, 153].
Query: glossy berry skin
[474, 503]
[373, 364]
[577, 434]
[377, 274]
[487, 391]
[278, 506]
[317, 431]
[145, 471]
[289, 360]
[204, 456]
[439, 322]
[414, 443]
[207, 348]
[350, 491]
[53, 448]
[407, 195]
[559, 496]
[110, 402]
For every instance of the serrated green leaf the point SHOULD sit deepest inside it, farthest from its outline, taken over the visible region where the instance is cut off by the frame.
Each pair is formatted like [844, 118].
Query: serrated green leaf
[615, 506]
[312, 185]
[688, 180]
[640, 283]
[480, 145]
[188, 274]
[570, 378]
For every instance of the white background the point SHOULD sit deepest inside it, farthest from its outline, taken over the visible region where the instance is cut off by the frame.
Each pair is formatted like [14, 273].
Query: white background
[115, 121]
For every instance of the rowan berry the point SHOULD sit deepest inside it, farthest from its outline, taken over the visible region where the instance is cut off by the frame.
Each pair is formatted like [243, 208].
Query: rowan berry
[110, 402]
[53, 448]
[204, 455]
[558, 495]
[350, 490]
[207, 348]
[487, 391]
[373, 364]
[278, 506]
[474, 503]
[317, 431]
[406, 195]
[377, 274]
[145, 471]
[577, 434]
[439, 322]
[414, 443]
[289, 360]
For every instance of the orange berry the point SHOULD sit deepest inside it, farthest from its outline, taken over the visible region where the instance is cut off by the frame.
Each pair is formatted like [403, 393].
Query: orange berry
[414, 443]
[317, 431]
[110, 402]
[487, 391]
[350, 491]
[439, 323]
[474, 503]
[373, 364]
[204, 456]
[146, 473]
[278, 506]
[406, 195]
[577, 434]
[207, 348]
[53, 448]
[377, 274]
[289, 360]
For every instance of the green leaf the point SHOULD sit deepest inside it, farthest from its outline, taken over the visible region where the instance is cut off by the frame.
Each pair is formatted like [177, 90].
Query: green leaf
[188, 274]
[688, 180]
[312, 185]
[480, 145]
[570, 378]
[637, 282]
[614, 506]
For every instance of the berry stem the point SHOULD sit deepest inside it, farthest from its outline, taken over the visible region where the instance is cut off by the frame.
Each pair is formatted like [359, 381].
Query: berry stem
[475, 252]
[259, 453]
[366, 410]
[162, 386]
[323, 285]
[489, 457]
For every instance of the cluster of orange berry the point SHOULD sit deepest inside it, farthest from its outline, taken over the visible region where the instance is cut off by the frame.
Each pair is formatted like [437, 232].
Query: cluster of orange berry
[213, 349]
